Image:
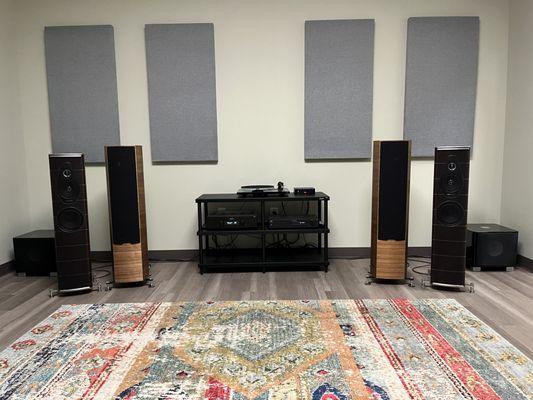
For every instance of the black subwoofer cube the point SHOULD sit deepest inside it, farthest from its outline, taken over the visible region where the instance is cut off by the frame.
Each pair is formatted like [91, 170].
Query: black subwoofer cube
[35, 253]
[491, 246]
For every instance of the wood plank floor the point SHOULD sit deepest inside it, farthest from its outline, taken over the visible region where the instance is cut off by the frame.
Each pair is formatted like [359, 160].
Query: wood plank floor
[504, 300]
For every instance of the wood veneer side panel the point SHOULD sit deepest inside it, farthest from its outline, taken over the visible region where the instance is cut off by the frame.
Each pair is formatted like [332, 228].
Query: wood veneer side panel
[407, 195]
[142, 210]
[391, 256]
[110, 213]
[376, 158]
[128, 262]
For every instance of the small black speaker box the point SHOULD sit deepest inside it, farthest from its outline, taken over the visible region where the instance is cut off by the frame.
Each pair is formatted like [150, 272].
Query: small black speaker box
[35, 253]
[491, 245]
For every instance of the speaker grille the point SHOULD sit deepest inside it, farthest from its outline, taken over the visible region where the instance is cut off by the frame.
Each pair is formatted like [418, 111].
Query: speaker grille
[393, 189]
[122, 175]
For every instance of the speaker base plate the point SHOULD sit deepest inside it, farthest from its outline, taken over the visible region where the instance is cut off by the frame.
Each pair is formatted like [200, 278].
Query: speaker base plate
[507, 269]
[113, 284]
[467, 287]
[57, 292]
[409, 281]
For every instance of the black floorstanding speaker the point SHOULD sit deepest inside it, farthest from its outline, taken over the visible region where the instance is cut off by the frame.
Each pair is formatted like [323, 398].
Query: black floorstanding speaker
[450, 207]
[127, 214]
[69, 202]
[390, 209]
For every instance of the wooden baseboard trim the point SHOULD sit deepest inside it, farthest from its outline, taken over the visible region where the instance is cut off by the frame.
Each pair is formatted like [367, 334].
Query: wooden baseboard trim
[102, 256]
[192, 255]
[349, 252]
[7, 267]
[419, 251]
[153, 255]
[524, 262]
[173, 255]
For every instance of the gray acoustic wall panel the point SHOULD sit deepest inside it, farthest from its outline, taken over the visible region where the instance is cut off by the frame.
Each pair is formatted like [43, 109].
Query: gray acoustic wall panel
[441, 82]
[82, 89]
[339, 64]
[182, 95]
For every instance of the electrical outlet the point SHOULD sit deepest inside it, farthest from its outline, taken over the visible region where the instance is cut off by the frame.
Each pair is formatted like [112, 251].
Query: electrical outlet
[274, 211]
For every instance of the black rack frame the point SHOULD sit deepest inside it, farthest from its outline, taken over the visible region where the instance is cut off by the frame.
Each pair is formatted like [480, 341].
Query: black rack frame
[241, 257]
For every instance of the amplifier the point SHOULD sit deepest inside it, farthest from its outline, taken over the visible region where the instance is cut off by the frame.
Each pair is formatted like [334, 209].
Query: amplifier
[292, 221]
[231, 220]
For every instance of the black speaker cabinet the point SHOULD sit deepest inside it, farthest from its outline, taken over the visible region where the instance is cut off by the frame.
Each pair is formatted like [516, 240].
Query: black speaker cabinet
[35, 253]
[390, 208]
[450, 207]
[491, 245]
[127, 213]
[69, 203]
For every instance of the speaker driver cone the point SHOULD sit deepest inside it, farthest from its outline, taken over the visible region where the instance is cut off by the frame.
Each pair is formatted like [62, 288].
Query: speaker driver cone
[69, 190]
[495, 248]
[450, 213]
[451, 183]
[70, 219]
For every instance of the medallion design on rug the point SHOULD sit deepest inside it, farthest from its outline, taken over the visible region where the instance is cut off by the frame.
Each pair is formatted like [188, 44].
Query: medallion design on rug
[253, 346]
[265, 350]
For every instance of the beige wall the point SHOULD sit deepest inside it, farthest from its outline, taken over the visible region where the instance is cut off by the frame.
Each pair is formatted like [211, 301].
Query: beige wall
[517, 196]
[259, 49]
[14, 216]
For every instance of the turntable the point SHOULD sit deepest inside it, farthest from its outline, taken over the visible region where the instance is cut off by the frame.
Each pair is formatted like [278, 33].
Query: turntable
[263, 191]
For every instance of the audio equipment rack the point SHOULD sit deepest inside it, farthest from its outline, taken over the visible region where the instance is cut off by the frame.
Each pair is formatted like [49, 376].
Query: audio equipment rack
[264, 256]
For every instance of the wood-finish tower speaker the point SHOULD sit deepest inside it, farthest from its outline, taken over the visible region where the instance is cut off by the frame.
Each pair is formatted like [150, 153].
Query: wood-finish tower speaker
[71, 223]
[390, 208]
[450, 206]
[127, 213]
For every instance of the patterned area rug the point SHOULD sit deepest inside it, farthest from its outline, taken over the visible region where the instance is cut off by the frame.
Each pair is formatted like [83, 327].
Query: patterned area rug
[265, 350]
